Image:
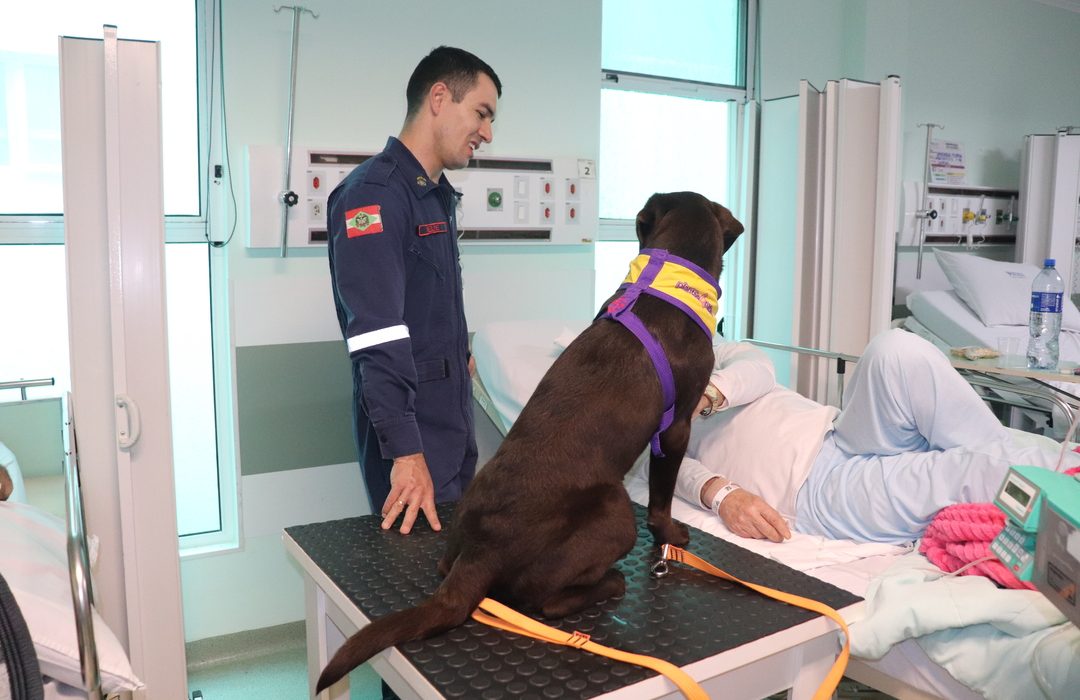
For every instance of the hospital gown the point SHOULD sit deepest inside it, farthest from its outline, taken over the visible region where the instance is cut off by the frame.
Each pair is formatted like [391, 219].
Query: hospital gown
[913, 438]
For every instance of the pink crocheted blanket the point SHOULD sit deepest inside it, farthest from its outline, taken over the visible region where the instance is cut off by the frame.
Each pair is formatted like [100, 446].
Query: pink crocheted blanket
[962, 533]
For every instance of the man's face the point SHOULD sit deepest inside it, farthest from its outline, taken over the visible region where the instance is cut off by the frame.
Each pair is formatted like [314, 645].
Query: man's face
[462, 126]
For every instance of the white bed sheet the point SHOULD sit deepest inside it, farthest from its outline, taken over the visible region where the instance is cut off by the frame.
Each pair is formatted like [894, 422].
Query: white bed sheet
[34, 562]
[512, 357]
[943, 313]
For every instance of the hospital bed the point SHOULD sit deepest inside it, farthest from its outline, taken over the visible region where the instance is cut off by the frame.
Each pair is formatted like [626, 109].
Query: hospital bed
[512, 356]
[942, 318]
[975, 301]
[46, 563]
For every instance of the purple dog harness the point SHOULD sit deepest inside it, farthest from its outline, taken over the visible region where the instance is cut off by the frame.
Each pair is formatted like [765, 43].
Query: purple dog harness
[665, 276]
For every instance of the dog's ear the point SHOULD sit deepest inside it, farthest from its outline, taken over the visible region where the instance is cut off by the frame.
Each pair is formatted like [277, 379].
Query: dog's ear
[731, 226]
[646, 219]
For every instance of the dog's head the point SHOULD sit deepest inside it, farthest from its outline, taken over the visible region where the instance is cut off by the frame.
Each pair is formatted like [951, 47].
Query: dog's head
[690, 226]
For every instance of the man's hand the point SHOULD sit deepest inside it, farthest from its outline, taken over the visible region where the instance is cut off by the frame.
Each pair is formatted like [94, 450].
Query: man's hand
[472, 366]
[716, 400]
[746, 514]
[411, 491]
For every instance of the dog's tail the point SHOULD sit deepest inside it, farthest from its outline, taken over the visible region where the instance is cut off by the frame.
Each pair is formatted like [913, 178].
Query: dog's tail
[453, 601]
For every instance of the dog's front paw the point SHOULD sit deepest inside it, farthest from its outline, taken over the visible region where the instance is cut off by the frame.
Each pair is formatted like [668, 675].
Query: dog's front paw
[668, 531]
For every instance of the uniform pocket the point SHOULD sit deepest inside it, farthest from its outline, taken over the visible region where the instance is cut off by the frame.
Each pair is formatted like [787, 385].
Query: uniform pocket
[426, 257]
[432, 370]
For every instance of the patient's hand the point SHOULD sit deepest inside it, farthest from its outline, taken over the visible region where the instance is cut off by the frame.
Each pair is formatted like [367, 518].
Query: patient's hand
[747, 515]
[6, 485]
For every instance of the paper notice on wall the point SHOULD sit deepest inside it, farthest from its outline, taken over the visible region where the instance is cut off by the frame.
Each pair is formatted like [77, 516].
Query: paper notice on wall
[946, 163]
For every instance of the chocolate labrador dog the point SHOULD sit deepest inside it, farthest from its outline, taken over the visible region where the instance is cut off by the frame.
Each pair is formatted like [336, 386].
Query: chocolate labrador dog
[543, 523]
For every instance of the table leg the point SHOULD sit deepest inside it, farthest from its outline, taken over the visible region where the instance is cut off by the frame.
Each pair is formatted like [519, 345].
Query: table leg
[818, 656]
[323, 639]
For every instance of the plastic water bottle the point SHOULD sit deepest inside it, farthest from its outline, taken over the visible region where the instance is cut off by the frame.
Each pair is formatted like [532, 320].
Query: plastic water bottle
[1044, 323]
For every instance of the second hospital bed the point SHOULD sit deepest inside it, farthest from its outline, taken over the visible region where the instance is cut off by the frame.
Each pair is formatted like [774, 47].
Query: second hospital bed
[46, 562]
[512, 357]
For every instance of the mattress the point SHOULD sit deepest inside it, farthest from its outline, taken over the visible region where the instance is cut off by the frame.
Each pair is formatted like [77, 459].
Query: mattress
[943, 314]
[511, 358]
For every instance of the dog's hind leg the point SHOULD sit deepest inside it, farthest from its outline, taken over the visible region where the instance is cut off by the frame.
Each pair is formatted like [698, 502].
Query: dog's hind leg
[663, 471]
[574, 598]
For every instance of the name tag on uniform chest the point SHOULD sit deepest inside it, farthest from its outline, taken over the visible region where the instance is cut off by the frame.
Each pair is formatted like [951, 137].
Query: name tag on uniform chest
[432, 229]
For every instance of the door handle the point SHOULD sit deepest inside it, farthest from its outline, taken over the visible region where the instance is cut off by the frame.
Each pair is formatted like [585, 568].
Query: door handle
[127, 433]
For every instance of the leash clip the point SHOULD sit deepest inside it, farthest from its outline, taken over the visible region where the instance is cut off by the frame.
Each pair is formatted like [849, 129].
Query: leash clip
[660, 568]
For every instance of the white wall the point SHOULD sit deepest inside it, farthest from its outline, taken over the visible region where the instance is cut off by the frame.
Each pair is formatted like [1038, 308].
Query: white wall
[354, 62]
[991, 71]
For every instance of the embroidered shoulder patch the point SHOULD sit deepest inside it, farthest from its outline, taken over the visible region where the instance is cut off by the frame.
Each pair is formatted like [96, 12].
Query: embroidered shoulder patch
[429, 229]
[363, 221]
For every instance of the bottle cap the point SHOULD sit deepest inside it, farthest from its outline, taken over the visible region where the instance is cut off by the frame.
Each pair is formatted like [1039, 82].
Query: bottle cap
[1049, 262]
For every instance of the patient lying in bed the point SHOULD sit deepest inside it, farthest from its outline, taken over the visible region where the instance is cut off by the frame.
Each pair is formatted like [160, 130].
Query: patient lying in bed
[913, 438]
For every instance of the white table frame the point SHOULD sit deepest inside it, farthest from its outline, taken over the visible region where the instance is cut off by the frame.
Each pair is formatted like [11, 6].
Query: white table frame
[797, 658]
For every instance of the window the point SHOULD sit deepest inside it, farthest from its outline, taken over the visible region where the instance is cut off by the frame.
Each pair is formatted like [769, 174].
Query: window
[31, 234]
[30, 181]
[35, 329]
[672, 83]
[688, 149]
[684, 40]
[36, 347]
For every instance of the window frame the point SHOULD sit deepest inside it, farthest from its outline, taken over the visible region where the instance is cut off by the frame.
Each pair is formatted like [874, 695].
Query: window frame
[48, 229]
[743, 134]
[623, 229]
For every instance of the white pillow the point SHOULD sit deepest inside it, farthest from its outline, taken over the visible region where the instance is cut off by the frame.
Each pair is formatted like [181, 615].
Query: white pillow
[34, 563]
[8, 462]
[998, 292]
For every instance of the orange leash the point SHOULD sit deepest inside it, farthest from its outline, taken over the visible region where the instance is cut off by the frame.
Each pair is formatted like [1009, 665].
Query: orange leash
[832, 679]
[498, 615]
[495, 614]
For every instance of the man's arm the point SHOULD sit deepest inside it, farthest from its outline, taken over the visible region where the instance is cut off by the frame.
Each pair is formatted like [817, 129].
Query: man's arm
[741, 374]
[743, 512]
[368, 225]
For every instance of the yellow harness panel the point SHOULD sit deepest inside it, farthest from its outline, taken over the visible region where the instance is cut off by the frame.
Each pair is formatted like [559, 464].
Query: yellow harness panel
[681, 284]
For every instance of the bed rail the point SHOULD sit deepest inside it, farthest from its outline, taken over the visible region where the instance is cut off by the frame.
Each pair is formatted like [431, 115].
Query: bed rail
[82, 594]
[842, 359]
[1042, 391]
[23, 384]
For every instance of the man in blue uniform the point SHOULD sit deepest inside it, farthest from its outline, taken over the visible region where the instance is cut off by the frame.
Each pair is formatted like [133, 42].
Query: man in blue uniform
[397, 287]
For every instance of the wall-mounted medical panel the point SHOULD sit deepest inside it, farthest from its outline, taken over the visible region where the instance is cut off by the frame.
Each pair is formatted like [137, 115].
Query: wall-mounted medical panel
[958, 215]
[503, 200]
[519, 200]
[313, 176]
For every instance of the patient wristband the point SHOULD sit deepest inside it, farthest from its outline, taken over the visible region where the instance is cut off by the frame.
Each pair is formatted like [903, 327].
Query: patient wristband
[723, 493]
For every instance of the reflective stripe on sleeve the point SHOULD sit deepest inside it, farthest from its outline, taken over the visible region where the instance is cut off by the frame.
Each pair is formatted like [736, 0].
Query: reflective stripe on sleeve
[383, 335]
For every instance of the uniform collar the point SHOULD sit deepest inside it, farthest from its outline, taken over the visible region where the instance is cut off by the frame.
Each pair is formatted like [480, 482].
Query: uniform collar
[419, 182]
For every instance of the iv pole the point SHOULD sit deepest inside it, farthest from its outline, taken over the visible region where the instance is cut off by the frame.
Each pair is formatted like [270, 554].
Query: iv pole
[287, 197]
[926, 212]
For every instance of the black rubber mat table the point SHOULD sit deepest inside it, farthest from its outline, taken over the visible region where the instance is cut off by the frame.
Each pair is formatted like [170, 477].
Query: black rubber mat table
[734, 641]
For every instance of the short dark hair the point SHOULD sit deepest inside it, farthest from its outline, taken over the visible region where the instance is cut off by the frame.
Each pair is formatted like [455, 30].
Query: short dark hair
[455, 67]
